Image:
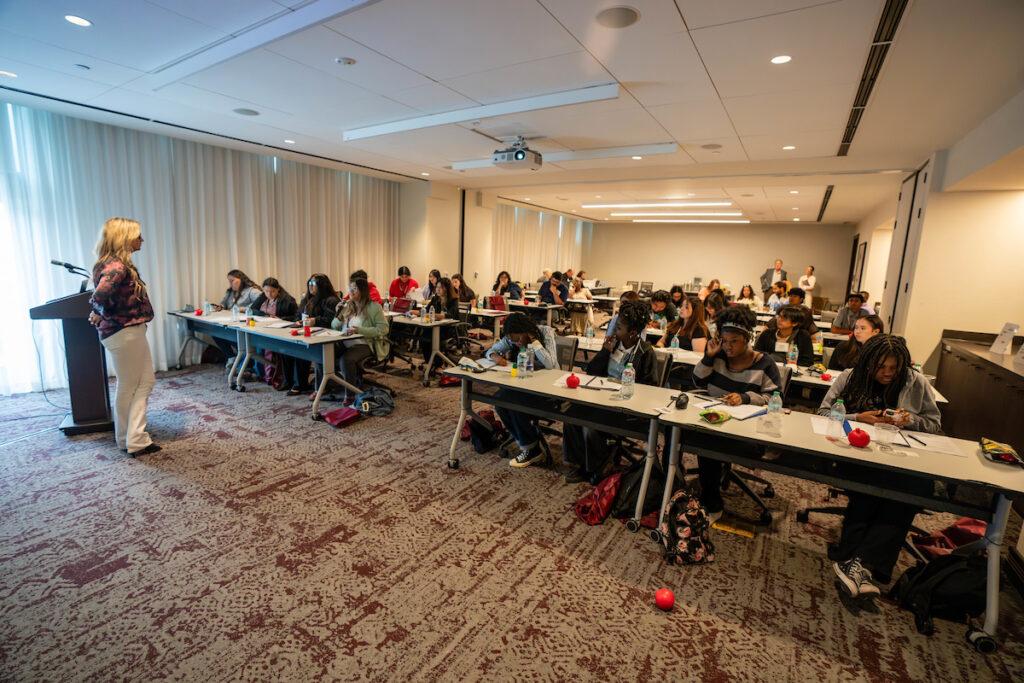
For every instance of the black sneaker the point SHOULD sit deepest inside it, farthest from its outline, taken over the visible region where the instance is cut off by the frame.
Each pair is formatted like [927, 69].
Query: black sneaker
[855, 579]
[527, 457]
[576, 476]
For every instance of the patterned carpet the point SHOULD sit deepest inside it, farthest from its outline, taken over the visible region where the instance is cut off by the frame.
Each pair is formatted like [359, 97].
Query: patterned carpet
[261, 546]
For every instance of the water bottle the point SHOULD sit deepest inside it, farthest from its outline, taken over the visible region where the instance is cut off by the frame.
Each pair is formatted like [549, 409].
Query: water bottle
[836, 418]
[529, 362]
[589, 332]
[234, 313]
[791, 356]
[774, 416]
[387, 305]
[207, 308]
[675, 341]
[662, 324]
[628, 382]
[521, 363]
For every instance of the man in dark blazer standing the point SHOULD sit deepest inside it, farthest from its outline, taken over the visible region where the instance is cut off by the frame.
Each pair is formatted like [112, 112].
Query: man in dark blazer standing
[771, 276]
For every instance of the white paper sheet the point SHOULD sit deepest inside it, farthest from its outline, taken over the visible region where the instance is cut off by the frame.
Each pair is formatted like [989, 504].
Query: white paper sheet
[934, 442]
[279, 324]
[743, 411]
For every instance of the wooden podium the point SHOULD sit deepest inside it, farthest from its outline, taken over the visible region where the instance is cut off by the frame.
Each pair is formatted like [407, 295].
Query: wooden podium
[87, 364]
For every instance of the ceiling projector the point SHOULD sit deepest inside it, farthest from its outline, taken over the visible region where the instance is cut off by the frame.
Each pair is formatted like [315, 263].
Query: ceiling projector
[518, 156]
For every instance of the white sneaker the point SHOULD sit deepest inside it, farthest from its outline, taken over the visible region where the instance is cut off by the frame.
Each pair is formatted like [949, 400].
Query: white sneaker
[527, 457]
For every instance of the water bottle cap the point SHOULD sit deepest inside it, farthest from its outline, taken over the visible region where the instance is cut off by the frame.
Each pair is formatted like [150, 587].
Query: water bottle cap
[776, 393]
[839, 400]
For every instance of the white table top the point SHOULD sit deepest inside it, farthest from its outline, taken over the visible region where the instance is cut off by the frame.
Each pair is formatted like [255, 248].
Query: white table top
[797, 433]
[223, 319]
[401, 319]
[488, 312]
[520, 304]
[644, 403]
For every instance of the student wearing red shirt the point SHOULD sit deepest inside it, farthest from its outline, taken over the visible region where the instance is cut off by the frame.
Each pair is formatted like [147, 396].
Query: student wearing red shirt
[403, 286]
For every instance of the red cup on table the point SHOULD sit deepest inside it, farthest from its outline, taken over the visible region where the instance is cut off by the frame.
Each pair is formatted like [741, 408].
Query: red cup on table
[306, 331]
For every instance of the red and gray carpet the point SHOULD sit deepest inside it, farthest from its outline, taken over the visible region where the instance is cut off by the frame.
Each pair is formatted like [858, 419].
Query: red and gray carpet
[261, 546]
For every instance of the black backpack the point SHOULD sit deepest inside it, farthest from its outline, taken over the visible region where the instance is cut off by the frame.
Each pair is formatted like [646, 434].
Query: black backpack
[484, 437]
[950, 587]
[624, 506]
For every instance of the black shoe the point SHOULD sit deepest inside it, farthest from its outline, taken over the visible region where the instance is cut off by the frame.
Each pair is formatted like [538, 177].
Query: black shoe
[295, 391]
[151, 448]
[576, 476]
[284, 387]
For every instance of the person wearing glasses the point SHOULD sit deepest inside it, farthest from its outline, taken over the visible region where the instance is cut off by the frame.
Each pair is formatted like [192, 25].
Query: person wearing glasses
[363, 316]
[319, 305]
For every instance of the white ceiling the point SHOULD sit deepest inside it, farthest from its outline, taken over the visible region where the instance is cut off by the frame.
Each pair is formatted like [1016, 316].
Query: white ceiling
[693, 72]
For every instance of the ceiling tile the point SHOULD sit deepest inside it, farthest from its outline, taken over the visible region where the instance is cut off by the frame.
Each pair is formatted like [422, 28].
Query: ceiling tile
[701, 13]
[730, 150]
[537, 77]
[13, 46]
[789, 113]
[694, 120]
[432, 98]
[808, 144]
[227, 15]
[35, 79]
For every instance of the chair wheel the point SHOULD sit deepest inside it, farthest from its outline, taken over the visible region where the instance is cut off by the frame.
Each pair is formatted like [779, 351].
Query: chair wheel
[453, 464]
[765, 518]
[803, 516]
[982, 642]
[426, 382]
[240, 387]
[655, 535]
[318, 417]
[768, 492]
[633, 525]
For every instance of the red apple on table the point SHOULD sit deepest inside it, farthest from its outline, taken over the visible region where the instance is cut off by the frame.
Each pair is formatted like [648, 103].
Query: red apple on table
[572, 381]
[858, 438]
[826, 376]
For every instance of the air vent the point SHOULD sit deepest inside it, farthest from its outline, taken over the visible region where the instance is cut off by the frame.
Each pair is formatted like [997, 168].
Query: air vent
[824, 202]
[887, 25]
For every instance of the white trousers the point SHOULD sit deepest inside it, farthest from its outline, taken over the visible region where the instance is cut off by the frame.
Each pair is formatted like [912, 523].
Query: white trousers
[133, 366]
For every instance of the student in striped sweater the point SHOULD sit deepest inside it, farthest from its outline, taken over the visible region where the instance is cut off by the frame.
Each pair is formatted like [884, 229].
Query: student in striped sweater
[735, 374]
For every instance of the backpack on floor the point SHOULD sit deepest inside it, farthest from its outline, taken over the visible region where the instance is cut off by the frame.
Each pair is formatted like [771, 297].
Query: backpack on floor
[273, 372]
[485, 437]
[374, 403]
[629, 491]
[486, 415]
[949, 587]
[593, 508]
[960, 532]
[686, 531]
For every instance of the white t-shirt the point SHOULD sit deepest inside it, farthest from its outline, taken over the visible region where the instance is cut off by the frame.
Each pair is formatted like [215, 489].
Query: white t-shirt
[807, 282]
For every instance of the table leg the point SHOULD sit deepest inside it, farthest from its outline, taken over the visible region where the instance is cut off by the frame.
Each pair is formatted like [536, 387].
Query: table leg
[189, 336]
[466, 408]
[652, 447]
[497, 328]
[250, 351]
[327, 360]
[675, 453]
[549, 317]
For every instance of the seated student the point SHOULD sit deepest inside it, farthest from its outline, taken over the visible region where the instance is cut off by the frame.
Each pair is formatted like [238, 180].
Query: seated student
[708, 288]
[274, 302]
[778, 298]
[748, 298]
[241, 292]
[677, 295]
[849, 314]
[776, 341]
[628, 295]
[554, 291]
[462, 290]
[545, 277]
[845, 355]
[520, 331]
[360, 315]
[320, 304]
[403, 286]
[585, 447]
[580, 314]
[374, 294]
[874, 528]
[735, 374]
[582, 275]
[796, 298]
[690, 328]
[715, 302]
[504, 286]
[867, 297]
[662, 309]
[444, 303]
[427, 293]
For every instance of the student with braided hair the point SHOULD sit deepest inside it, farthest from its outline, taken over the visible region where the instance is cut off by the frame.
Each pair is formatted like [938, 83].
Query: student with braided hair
[522, 332]
[735, 374]
[874, 528]
[588, 448]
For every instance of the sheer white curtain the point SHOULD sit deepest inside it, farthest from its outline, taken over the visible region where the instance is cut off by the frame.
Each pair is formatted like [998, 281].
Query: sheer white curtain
[204, 210]
[526, 242]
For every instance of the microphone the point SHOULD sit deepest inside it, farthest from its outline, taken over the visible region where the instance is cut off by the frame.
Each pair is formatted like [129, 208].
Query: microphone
[61, 263]
[71, 268]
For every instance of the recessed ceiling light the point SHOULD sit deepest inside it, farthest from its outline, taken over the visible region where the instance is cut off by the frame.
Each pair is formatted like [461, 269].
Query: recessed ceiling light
[781, 59]
[637, 158]
[711, 145]
[597, 196]
[691, 194]
[671, 213]
[659, 205]
[526, 199]
[796, 208]
[344, 61]
[77, 21]
[574, 210]
[8, 74]
[789, 148]
[681, 220]
[424, 174]
[796, 219]
[246, 112]
[289, 142]
[794, 191]
[617, 17]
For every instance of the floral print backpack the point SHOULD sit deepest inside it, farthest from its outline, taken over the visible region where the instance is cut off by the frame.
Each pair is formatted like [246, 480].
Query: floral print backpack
[686, 531]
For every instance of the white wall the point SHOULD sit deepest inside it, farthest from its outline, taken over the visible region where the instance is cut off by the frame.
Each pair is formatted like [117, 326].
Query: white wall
[429, 235]
[478, 266]
[876, 230]
[969, 273]
[670, 254]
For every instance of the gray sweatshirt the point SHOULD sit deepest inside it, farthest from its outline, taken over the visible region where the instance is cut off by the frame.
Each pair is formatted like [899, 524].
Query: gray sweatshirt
[544, 350]
[916, 398]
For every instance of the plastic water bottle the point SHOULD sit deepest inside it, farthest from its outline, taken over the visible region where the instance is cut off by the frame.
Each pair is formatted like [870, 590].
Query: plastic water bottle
[234, 313]
[675, 342]
[589, 332]
[529, 362]
[522, 362]
[628, 382]
[791, 356]
[207, 308]
[836, 418]
[387, 305]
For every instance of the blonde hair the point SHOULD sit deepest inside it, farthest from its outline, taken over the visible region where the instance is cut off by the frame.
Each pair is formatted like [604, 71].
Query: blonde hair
[116, 239]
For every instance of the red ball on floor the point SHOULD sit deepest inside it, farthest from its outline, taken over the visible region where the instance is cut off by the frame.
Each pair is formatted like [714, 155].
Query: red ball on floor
[664, 599]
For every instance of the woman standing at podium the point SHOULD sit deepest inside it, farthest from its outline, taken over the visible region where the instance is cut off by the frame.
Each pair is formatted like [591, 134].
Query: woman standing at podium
[121, 309]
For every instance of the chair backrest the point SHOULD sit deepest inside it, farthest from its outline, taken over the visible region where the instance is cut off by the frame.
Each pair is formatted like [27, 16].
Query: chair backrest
[647, 286]
[401, 305]
[818, 303]
[633, 284]
[565, 347]
[496, 303]
[785, 373]
[662, 363]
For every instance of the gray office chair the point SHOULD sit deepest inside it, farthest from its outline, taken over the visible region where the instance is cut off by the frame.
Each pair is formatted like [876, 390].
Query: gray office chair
[646, 288]
[633, 284]
[566, 347]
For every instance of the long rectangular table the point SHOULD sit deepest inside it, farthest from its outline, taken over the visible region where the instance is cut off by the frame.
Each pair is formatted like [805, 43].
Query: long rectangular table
[436, 353]
[862, 470]
[530, 308]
